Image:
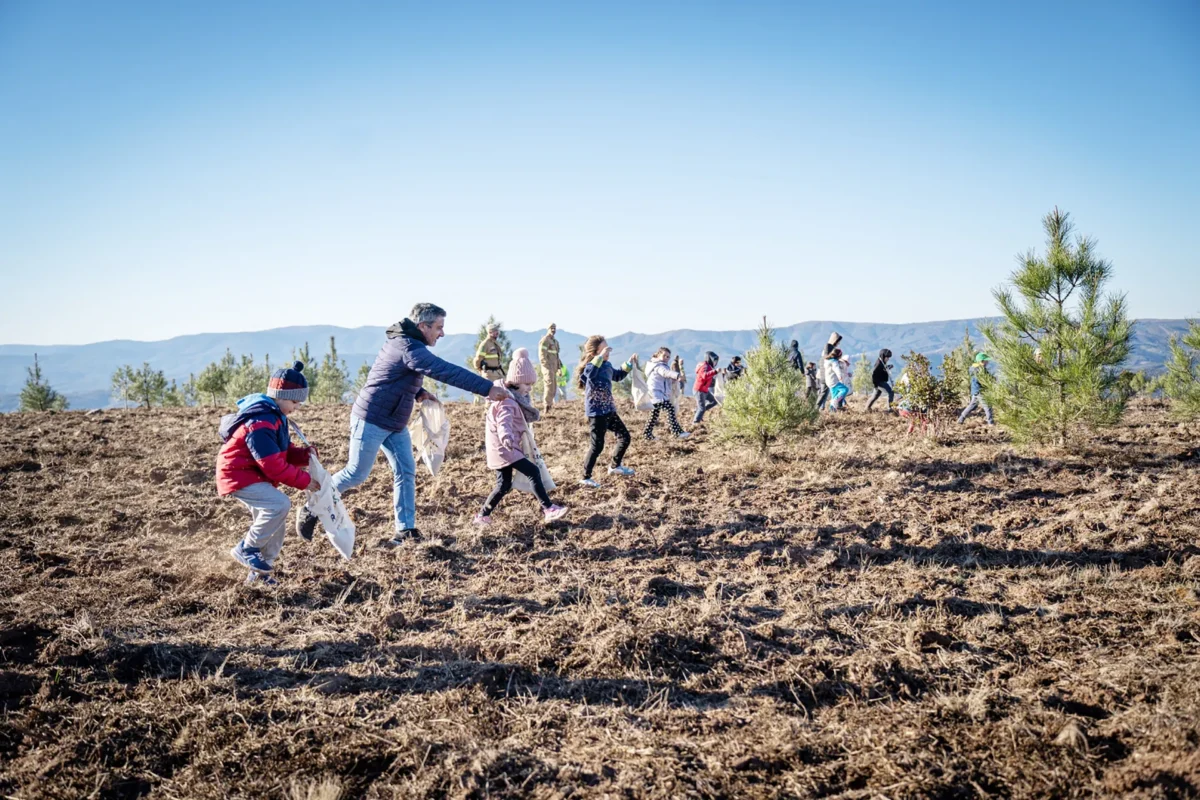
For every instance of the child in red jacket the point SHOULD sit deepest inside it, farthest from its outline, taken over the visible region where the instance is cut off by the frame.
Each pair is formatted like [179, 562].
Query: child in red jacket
[257, 455]
[706, 376]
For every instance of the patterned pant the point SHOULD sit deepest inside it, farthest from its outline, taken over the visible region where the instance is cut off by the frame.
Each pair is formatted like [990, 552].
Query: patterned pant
[673, 423]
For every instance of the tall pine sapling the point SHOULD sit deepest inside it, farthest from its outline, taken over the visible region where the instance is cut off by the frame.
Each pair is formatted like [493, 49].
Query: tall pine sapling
[148, 387]
[1181, 382]
[36, 394]
[860, 381]
[1060, 343]
[768, 401]
[122, 384]
[333, 379]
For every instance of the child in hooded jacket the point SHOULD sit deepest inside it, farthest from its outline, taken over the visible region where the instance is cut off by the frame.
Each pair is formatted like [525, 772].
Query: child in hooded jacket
[837, 380]
[596, 376]
[661, 381]
[706, 376]
[504, 426]
[256, 456]
[881, 379]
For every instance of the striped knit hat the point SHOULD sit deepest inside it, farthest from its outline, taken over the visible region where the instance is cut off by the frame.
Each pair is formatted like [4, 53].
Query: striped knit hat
[289, 384]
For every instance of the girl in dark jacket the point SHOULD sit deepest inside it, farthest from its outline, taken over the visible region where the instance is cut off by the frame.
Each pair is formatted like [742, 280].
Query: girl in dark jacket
[882, 380]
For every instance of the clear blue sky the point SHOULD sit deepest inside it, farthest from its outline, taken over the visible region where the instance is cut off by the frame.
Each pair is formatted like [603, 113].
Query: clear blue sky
[178, 167]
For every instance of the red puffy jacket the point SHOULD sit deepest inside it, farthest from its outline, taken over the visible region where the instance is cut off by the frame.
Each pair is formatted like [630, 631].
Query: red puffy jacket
[706, 376]
[257, 449]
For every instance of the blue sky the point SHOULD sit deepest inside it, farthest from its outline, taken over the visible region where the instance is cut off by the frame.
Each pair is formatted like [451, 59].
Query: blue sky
[172, 168]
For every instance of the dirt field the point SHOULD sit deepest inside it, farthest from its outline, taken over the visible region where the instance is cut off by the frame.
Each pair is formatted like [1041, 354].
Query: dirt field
[861, 615]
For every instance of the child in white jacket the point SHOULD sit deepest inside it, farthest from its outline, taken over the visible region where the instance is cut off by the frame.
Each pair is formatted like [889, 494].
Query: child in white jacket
[837, 380]
[661, 381]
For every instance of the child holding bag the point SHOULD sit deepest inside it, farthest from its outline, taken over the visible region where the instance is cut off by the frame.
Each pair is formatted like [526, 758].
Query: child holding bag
[661, 381]
[505, 425]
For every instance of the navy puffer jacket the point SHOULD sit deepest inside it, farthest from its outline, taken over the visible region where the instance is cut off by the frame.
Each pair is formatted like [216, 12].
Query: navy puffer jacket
[398, 374]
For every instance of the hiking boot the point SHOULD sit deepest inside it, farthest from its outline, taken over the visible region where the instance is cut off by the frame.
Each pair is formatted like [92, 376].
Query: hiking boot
[626, 471]
[306, 524]
[590, 483]
[482, 520]
[403, 536]
[554, 512]
[250, 558]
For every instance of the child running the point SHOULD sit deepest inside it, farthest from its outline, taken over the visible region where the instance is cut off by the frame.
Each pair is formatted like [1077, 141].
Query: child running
[257, 456]
[836, 380]
[596, 376]
[706, 376]
[505, 425]
[662, 380]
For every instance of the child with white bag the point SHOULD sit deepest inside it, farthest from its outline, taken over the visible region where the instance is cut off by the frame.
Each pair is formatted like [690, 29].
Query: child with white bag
[662, 381]
[506, 424]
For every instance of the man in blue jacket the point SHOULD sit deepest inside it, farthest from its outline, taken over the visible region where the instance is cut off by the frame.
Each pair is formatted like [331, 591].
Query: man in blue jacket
[383, 407]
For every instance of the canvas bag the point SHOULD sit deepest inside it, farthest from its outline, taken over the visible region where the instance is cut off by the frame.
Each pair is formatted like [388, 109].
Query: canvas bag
[430, 432]
[530, 449]
[719, 387]
[327, 506]
[642, 399]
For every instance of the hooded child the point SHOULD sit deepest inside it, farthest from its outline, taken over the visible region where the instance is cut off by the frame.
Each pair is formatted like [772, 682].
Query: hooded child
[881, 379]
[706, 376]
[823, 397]
[256, 457]
[661, 381]
[505, 425]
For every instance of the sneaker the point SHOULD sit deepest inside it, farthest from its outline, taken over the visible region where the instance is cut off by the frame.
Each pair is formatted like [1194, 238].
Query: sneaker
[251, 558]
[253, 578]
[626, 471]
[591, 483]
[683, 435]
[554, 512]
[403, 536]
[482, 520]
[306, 524]
[650, 438]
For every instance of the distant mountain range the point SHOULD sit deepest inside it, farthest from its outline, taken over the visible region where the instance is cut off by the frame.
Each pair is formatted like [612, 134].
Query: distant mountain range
[83, 372]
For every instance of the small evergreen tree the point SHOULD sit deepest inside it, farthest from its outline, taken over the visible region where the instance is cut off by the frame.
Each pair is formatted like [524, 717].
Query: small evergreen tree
[956, 369]
[333, 378]
[769, 400]
[861, 382]
[189, 391]
[173, 397]
[247, 378]
[122, 384]
[213, 379]
[37, 395]
[925, 393]
[360, 380]
[1060, 342]
[1181, 382]
[312, 376]
[148, 387]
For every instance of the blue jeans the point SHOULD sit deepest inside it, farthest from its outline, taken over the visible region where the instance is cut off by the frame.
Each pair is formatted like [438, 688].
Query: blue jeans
[976, 402]
[704, 401]
[365, 441]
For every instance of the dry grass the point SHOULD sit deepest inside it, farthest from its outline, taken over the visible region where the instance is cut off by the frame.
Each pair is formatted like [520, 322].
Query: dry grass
[860, 615]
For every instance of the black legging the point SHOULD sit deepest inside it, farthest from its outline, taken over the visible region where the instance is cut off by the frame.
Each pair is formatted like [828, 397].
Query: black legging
[599, 426]
[672, 422]
[504, 481]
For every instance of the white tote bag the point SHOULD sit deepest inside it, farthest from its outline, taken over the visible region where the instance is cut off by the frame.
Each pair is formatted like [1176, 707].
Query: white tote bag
[642, 399]
[530, 449]
[327, 506]
[430, 432]
[719, 388]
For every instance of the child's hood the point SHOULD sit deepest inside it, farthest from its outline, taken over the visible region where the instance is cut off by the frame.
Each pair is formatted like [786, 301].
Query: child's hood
[250, 406]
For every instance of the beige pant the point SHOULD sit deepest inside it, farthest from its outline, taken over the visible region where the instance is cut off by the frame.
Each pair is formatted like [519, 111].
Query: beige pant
[550, 385]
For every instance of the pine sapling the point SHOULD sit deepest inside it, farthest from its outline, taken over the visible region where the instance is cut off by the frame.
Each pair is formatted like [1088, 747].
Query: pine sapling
[768, 401]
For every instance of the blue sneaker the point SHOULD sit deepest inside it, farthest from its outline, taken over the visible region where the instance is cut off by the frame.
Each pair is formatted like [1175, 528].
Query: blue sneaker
[626, 471]
[251, 558]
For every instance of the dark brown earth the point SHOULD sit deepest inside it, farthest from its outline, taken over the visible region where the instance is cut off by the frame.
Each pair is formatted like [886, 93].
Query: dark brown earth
[860, 615]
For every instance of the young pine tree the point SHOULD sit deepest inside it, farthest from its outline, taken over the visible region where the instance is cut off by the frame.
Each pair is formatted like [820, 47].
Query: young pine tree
[956, 369]
[37, 395]
[148, 387]
[1060, 343]
[861, 381]
[769, 400]
[333, 378]
[1182, 380]
[360, 380]
[247, 378]
[122, 384]
[214, 378]
[312, 372]
[173, 397]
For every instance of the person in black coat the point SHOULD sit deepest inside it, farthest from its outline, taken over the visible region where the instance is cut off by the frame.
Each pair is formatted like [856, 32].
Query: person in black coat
[882, 379]
[794, 356]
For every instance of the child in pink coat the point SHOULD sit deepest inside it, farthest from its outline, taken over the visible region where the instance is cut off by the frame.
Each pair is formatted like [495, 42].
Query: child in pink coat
[505, 425]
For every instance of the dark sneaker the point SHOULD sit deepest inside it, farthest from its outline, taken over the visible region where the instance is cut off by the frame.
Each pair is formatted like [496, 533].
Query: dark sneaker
[403, 536]
[250, 558]
[306, 524]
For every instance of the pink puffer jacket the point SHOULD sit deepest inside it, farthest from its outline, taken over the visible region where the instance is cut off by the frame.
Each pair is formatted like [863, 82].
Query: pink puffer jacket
[505, 426]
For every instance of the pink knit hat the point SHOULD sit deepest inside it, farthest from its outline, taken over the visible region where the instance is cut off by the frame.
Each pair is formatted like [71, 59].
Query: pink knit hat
[521, 370]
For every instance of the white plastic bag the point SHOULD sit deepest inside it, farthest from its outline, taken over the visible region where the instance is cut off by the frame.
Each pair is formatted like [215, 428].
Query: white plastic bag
[719, 388]
[642, 399]
[327, 506]
[430, 432]
[676, 395]
[530, 449]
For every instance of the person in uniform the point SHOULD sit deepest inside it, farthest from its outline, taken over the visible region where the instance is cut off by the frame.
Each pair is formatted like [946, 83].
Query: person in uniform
[551, 363]
[488, 358]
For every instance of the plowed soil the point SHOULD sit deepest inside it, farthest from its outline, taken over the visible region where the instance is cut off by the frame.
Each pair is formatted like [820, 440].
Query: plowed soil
[861, 614]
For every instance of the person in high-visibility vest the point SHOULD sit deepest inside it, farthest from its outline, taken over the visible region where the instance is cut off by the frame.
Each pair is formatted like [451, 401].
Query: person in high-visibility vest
[550, 362]
[488, 358]
[564, 380]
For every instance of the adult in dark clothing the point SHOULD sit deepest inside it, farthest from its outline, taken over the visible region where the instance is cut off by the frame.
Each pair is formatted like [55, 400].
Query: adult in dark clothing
[379, 419]
[735, 369]
[882, 379]
[810, 380]
[834, 339]
[794, 356]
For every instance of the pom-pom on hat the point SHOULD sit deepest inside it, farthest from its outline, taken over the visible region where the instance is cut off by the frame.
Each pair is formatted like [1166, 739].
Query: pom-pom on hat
[521, 370]
[289, 384]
